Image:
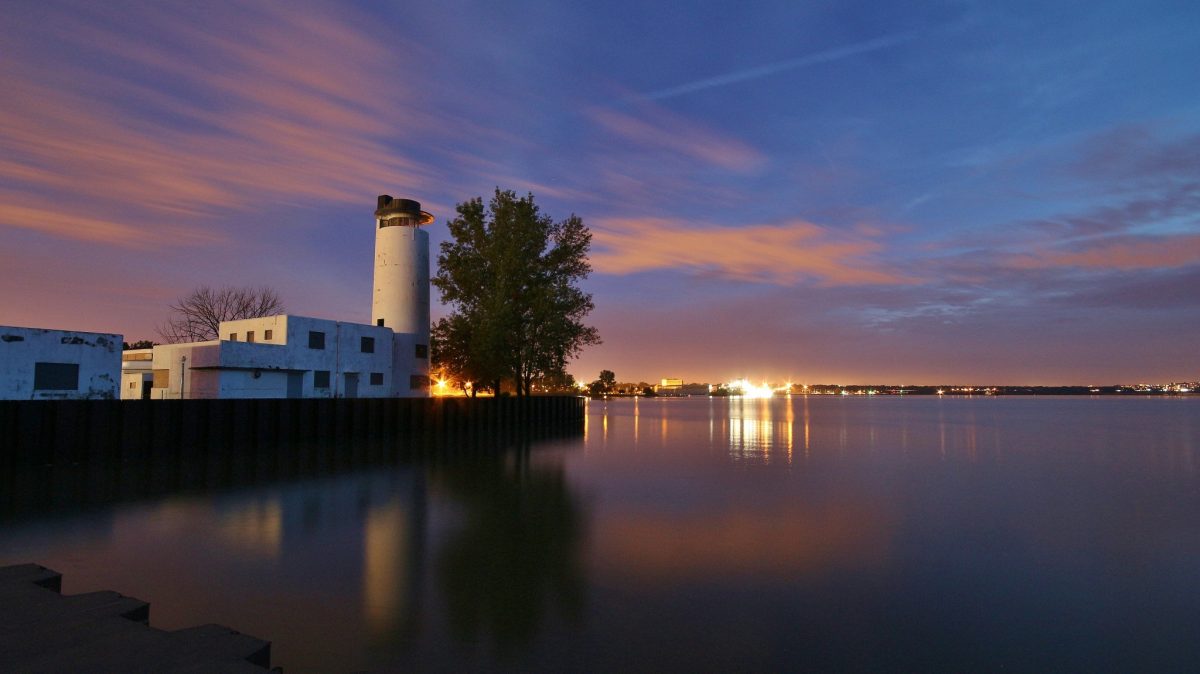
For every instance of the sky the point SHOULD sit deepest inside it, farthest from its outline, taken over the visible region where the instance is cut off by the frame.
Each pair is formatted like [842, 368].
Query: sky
[834, 192]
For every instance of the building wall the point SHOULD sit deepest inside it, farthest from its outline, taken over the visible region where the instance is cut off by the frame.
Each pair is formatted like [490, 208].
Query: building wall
[137, 366]
[276, 325]
[94, 357]
[220, 369]
[252, 383]
[342, 354]
[171, 370]
[240, 369]
[132, 382]
[409, 368]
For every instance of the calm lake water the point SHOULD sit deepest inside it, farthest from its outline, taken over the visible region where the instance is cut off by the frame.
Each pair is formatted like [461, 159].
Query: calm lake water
[818, 533]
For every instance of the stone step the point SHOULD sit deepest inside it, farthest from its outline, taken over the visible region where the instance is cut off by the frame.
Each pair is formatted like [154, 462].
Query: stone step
[42, 630]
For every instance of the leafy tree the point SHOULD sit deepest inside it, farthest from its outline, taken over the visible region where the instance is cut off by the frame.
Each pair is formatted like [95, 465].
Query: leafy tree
[509, 273]
[197, 316]
[606, 383]
[608, 380]
[456, 352]
[140, 344]
[559, 381]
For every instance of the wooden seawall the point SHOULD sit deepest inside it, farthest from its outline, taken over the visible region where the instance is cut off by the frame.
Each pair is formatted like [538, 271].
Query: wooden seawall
[63, 432]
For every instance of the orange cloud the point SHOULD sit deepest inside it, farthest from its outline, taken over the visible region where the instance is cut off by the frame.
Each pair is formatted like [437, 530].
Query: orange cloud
[782, 254]
[1124, 254]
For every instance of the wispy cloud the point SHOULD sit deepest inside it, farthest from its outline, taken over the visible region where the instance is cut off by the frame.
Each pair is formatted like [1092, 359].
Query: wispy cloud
[1137, 207]
[1124, 253]
[264, 104]
[827, 56]
[78, 223]
[784, 254]
[655, 128]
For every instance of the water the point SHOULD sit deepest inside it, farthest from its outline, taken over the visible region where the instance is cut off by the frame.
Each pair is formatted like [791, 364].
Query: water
[821, 533]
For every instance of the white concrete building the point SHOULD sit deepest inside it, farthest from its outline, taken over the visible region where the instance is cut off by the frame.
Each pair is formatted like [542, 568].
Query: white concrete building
[289, 356]
[137, 373]
[41, 364]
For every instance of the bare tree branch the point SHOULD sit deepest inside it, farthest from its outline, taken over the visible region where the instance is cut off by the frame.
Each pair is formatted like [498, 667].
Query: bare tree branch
[198, 316]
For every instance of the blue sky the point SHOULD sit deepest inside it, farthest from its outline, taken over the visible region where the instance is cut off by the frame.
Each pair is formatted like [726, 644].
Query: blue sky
[851, 192]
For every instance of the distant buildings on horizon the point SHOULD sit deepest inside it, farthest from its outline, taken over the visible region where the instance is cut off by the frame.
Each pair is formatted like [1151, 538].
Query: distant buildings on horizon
[677, 387]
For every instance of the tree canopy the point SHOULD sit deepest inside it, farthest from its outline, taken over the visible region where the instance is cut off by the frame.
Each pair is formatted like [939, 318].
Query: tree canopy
[510, 275]
[605, 383]
[197, 316]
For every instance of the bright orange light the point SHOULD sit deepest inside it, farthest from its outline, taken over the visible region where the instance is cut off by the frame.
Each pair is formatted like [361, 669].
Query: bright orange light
[748, 390]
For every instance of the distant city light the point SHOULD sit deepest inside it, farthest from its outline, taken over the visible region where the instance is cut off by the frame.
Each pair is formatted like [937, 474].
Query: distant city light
[745, 389]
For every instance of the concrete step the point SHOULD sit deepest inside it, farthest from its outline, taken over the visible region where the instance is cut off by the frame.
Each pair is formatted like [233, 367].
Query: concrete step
[44, 631]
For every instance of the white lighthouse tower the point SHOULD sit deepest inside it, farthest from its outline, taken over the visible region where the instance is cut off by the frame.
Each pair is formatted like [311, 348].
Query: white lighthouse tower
[401, 297]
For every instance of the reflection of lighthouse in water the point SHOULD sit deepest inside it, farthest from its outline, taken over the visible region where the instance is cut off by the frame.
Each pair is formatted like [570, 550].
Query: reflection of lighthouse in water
[401, 295]
[371, 529]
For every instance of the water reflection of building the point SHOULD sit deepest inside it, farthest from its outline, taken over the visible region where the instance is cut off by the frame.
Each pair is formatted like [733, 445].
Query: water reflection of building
[369, 522]
[393, 563]
[254, 526]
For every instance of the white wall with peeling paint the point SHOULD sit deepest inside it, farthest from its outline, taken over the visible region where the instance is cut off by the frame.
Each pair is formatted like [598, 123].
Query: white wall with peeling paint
[97, 355]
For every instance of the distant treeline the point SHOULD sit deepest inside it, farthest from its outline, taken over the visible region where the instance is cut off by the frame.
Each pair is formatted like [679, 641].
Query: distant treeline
[823, 389]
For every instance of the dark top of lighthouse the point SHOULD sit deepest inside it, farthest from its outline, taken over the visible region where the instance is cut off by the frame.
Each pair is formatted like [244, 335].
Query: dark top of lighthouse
[401, 211]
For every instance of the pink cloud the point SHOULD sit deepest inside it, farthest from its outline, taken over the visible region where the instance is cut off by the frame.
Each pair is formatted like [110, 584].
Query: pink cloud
[73, 222]
[784, 254]
[282, 106]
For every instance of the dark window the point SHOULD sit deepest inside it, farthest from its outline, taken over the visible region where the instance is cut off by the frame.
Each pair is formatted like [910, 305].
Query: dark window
[268, 334]
[367, 345]
[320, 378]
[316, 340]
[417, 382]
[233, 336]
[132, 384]
[55, 376]
[376, 379]
[249, 335]
[422, 351]
[379, 322]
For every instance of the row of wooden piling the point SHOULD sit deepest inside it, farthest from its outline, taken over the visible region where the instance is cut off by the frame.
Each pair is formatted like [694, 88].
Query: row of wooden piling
[108, 432]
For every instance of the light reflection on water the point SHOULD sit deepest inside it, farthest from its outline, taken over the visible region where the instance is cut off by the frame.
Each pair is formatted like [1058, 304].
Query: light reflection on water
[697, 534]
